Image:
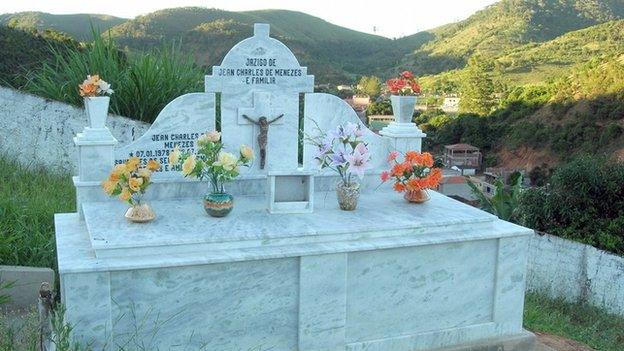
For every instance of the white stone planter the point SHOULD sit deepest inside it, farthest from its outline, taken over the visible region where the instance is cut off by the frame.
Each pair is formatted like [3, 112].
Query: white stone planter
[97, 110]
[403, 108]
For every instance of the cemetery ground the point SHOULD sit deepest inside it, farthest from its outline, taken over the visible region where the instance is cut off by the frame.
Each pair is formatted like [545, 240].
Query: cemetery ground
[29, 198]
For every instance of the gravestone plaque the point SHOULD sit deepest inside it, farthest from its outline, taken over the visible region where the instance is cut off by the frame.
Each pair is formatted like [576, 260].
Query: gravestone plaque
[260, 77]
[178, 124]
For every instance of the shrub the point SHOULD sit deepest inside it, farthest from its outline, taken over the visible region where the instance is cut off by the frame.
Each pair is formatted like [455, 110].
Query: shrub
[584, 201]
[143, 84]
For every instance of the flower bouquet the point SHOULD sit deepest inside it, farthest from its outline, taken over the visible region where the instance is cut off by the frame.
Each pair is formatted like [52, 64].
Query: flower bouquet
[129, 181]
[403, 89]
[343, 151]
[94, 91]
[212, 163]
[413, 176]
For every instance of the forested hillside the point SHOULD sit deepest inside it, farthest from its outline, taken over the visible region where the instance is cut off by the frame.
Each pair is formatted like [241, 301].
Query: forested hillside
[76, 25]
[507, 25]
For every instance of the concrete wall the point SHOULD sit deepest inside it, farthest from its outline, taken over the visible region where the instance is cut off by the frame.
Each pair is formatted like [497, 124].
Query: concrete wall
[576, 272]
[40, 131]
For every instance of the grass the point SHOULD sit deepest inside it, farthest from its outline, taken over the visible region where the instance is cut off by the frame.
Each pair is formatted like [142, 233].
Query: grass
[586, 324]
[143, 84]
[28, 200]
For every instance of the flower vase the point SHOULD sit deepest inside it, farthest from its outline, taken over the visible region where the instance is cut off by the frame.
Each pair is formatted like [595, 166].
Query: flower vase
[97, 110]
[348, 195]
[140, 213]
[218, 204]
[416, 196]
[403, 108]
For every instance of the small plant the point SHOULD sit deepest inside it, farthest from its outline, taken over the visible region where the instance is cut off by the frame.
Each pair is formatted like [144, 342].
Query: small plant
[94, 86]
[211, 162]
[504, 203]
[404, 84]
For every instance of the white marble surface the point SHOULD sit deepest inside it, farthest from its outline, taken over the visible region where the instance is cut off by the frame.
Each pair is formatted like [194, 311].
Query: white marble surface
[258, 77]
[179, 123]
[182, 225]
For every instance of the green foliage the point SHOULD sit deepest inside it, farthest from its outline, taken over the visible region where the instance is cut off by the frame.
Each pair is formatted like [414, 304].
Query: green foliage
[504, 26]
[23, 51]
[383, 108]
[586, 324]
[29, 198]
[143, 85]
[584, 201]
[370, 86]
[76, 25]
[477, 88]
[504, 203]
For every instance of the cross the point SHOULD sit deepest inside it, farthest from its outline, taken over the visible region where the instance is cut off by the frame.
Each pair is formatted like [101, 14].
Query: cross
[266, 115]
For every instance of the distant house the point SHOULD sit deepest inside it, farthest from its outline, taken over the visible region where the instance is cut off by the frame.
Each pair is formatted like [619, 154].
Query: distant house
[450, 103]
[465, 157]
[493, 175]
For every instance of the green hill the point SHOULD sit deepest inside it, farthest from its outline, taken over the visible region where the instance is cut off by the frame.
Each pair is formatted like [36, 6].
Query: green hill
[507, 25]
[23, 51]
[332, 52]
[76, 25]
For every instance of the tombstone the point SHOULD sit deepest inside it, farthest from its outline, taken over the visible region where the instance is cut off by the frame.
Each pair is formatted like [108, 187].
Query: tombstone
[389, 276]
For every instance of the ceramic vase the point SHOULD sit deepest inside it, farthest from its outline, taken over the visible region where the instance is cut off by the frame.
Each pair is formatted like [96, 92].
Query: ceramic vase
[348, 195]
[403, 108]
[140, 213]
[218, 204]
[97, 110]
[416, 196]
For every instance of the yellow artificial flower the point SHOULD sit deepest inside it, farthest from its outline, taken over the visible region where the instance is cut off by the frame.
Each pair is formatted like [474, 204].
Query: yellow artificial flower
[188, 165]
[125, 194]
[227, 161]
[246, 153]
[109, 186]
[203, 140]
[213, 136]
[145, 173]
[153, 165]
[135, 183]
[174, 156]
[133, 163]
[120, 170]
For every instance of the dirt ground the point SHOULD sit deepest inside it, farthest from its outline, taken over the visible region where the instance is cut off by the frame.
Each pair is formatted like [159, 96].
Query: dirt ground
[556, 343]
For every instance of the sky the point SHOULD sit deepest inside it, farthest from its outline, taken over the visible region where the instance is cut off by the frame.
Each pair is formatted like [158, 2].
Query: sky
[392, 19]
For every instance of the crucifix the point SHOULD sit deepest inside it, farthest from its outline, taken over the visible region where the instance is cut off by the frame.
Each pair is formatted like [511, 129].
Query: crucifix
[263, 123]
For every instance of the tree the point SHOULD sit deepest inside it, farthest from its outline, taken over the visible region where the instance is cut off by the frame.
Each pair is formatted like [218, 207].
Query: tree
[370, 86]
[477, 88]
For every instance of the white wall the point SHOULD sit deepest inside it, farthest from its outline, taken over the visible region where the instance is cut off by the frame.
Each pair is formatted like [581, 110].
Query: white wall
[40, 131]
[576, 272]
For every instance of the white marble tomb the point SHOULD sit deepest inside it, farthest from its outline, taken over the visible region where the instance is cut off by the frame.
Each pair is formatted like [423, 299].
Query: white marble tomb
[388, 276]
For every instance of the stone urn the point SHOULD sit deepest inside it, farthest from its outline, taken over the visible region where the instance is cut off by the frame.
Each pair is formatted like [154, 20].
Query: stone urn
[403, 108]
[97, 110]
[348, 195]
[218, 204]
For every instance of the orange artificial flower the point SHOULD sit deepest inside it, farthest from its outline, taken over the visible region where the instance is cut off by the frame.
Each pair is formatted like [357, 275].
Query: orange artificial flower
[399, 187]
[413, 157]
[427, 160]
[398, 169]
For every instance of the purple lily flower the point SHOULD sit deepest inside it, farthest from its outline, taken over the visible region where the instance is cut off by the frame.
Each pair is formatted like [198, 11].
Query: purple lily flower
[359, 160]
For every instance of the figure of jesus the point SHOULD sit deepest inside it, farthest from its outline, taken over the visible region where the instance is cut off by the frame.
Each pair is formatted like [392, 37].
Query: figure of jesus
[263, 123]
